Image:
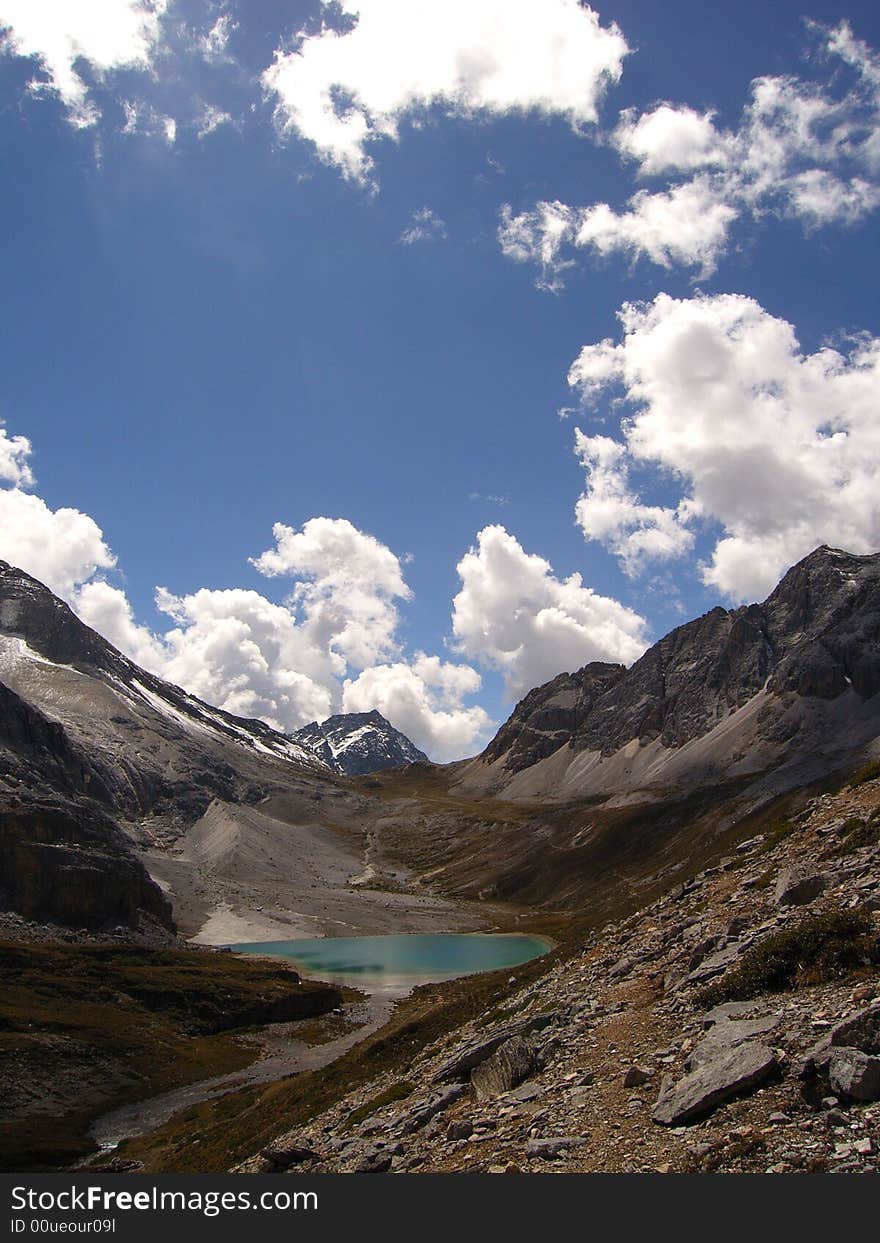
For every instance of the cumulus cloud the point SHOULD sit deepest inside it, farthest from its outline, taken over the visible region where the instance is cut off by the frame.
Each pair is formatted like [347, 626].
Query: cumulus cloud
[424, 699]
[348, 583]
[14, 454]
[374, 63]
[805, 150]
[425, 226]
[63, 36]
[768, 450]
[61, 547]
[515, 615]
[242, 652]
[671, 137]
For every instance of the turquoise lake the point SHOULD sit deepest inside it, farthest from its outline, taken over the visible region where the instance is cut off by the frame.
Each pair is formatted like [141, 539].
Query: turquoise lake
[411, 958]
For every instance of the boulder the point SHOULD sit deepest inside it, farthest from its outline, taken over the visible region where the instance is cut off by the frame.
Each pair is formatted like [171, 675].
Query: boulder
[374, 1161]
[797, 886]
[283, 1154]
[861, 1030]
[509, 1065]
[473, 1052]
[733, 1072]
[425, 1110]
[729, 1035]
[635, 1076]
[854, 1074]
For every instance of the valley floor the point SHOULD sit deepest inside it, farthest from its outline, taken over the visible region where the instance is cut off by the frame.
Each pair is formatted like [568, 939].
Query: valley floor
[659, 1046]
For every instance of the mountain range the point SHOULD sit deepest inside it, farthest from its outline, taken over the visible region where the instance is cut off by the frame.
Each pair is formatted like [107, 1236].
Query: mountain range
[123, 797]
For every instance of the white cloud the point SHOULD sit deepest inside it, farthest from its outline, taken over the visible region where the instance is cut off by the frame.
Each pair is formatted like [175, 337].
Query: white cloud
[242, 652]
[687, 224]
[670, 137]
[61, 35]
[537, 237]
[773, 451]
[515, 615]
[609, 512]
[62, 547]
[348, 584]
[214, 43]
[425, 226]
[141, 118]
[209, 119]
[424, 700]
[14, 454]
[353, 82]
[108, 610]
[804, 150]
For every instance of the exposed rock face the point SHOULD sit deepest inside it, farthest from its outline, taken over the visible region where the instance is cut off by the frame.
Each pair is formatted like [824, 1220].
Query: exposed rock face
[355, 743]
[97, 756]
[811, 651]
[551, 715]
[71, 865]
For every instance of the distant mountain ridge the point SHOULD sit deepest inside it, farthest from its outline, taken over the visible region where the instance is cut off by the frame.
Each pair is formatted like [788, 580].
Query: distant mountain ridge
[733, 692]
[357, 743]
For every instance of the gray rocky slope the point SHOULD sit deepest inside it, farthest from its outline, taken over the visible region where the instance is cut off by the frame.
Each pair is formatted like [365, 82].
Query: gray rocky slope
[792, 680]
[100, 760]
[357, 743]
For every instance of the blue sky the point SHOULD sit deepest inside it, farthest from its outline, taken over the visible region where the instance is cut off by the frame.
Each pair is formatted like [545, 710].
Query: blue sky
[228, 307]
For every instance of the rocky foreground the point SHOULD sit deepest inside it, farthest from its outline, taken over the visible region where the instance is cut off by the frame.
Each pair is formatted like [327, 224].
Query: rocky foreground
[733, 1025]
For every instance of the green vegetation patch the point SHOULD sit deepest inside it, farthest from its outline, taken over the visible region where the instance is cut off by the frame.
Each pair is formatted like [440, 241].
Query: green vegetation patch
[777, 833]
[824, 946]
[857, 833]
[398, 1091]
[869, 772]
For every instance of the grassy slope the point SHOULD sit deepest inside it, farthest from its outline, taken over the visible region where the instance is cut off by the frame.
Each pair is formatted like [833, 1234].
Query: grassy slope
[86, 1029]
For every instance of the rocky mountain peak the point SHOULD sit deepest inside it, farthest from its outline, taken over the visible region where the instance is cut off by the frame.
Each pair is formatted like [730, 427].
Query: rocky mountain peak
[815, 639]
[355, 743]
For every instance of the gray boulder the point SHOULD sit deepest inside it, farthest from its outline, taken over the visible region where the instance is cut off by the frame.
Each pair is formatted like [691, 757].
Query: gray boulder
[733, 1072]
[861, 1030]
[729, 1035]
[509, 1065]
[796, 886]
[854, 1074]
[473, 1052]
[424, 1111]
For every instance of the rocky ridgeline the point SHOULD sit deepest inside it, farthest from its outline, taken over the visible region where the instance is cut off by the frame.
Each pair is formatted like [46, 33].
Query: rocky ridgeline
[621, 1059]
[812, 641]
